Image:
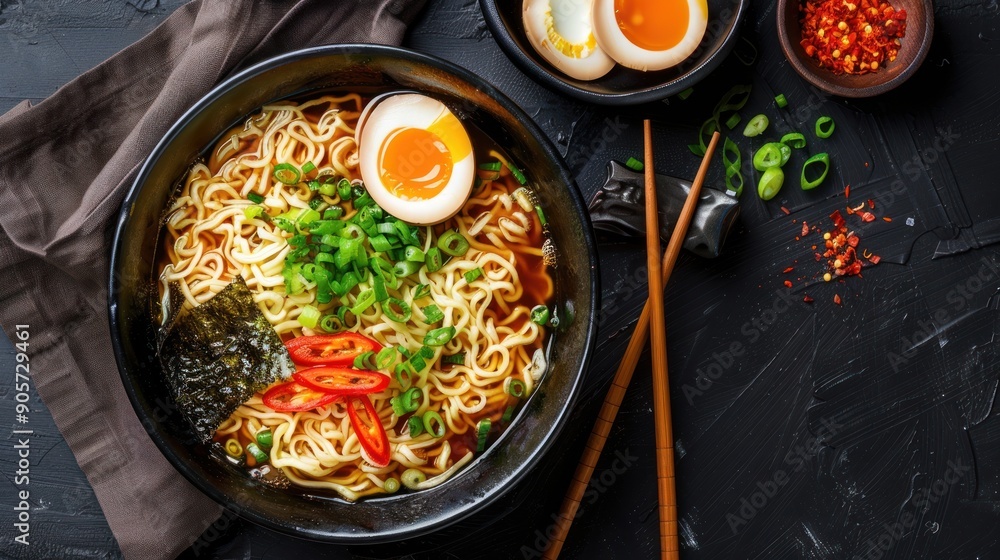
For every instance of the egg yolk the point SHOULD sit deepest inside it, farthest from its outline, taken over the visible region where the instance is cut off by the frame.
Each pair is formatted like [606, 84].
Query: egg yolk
[654, 25]
[414, 164]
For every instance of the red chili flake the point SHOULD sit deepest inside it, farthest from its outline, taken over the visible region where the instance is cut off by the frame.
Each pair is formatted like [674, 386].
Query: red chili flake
[850, 210]
[871, 204]
[819, 257]
[847, 191]
[807, 299]
[868, 217]
[838, 218]
[853, 240]
[787, 270]
[853, 37]
[874, 259]
[805, 229]
[866, 164]
[788, 283]
[836, 299]
[786, 210]
[886, 219]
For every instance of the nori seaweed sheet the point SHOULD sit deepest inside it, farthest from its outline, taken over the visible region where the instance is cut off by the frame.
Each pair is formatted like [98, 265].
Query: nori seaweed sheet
[217, 355]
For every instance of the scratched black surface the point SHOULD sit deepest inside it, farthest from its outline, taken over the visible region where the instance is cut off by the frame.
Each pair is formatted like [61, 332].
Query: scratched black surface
[866, 429]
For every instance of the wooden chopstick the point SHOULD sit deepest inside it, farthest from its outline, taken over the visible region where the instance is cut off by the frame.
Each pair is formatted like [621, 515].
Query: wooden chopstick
[669, 546]
[623, 375]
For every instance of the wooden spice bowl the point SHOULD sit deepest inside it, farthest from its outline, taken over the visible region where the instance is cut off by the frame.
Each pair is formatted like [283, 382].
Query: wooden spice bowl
[913, 50]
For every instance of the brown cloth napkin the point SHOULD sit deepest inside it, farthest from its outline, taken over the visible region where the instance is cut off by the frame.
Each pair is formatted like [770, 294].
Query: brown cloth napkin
[65, 165]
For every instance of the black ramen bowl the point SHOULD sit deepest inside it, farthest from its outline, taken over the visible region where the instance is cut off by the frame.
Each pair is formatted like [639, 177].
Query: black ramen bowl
[366, 69]
[620, 86]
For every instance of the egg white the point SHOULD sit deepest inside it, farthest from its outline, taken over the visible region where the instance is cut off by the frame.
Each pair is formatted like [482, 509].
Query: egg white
[410, 110]
[611, 38]
[562, 32]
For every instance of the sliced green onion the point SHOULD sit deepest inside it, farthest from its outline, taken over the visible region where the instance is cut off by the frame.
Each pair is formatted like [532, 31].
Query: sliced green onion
[397, 405]
[634, 164]
[253, 212]
[781, 101]
[733, 121]
[286, 173]
[818, 159]
[707, 129]
[482, 431]
[309, 317]
[331, 323]
[769, 155]
[507, 414]
[685, 94]
[473, 275]
[786, 153]
[328, 189]
[365, 360]
[413, 254]
[409, 400]
[313, 186]
[433, 424]
[794, 140]
[517, 173]
[732, 184]
[316, 203]
[540, 314]
[453, 243]
[439, 337]
[491, 166]
[756, 126]
[433, 314]
[515, 388]
[770, 183]
[732, 160]
[425, 352]
[403, 269]
[412, 478]
[822, 128]
[365, 300]
[391, 486]
[421, 291]
[308, 167]
[416, 425]
[265, 439]
[344, 189]
[378, 286]
[456, 359]
[433, 259]
[384, 358]
[256, 452]
[380, 243]
[233, 448]
[255, 198]
[541, 215]
[404, 374]
[389, 307]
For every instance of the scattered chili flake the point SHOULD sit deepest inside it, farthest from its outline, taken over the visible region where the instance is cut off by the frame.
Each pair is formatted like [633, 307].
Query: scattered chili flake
[807, 299]
[838, 218]
[836, 299]
[788, 283]
[853, 240]
[866, 164]
[786, 210]
[847, 191]
[851, 36]
[787, 270]
[850, 210]
[819, 257]
[874, 259]
[886, 219]
[805, 229]
[871, 204]
[868, 217]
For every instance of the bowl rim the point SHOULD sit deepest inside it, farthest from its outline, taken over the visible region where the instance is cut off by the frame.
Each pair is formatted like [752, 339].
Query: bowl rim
[116, 322]
[553, 80]
[815, 79]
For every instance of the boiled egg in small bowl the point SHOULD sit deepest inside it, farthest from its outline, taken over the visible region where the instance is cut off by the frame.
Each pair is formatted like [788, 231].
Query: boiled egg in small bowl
[562, 31]
[650, 34]
[415, 157]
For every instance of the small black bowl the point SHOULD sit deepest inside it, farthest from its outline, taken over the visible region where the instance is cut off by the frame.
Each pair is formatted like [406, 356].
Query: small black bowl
[620, 86]
[370, 69]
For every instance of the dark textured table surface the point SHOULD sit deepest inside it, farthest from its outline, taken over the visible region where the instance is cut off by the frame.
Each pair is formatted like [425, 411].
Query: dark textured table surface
[860, 430]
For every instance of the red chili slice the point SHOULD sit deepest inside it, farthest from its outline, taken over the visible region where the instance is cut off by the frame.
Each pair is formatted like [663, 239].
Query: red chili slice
[330, 349]
[342, 380]
[371, 434]
[294, 397]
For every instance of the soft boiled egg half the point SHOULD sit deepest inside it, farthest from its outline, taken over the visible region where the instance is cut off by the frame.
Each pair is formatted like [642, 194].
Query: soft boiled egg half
[415, 157]
[650, 34]
[562, 32]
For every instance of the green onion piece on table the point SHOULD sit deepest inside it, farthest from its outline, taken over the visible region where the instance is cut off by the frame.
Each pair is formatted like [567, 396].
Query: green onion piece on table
[732, 161]
[733, 121]
[286, 173]
[685, 94]
[482, 431]
[634, 164]
[818, 159]
[786, 153]
[824, 127]
[794, 140]
[756, 126]
[770, 183]
[769, 155]
[781, 101]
